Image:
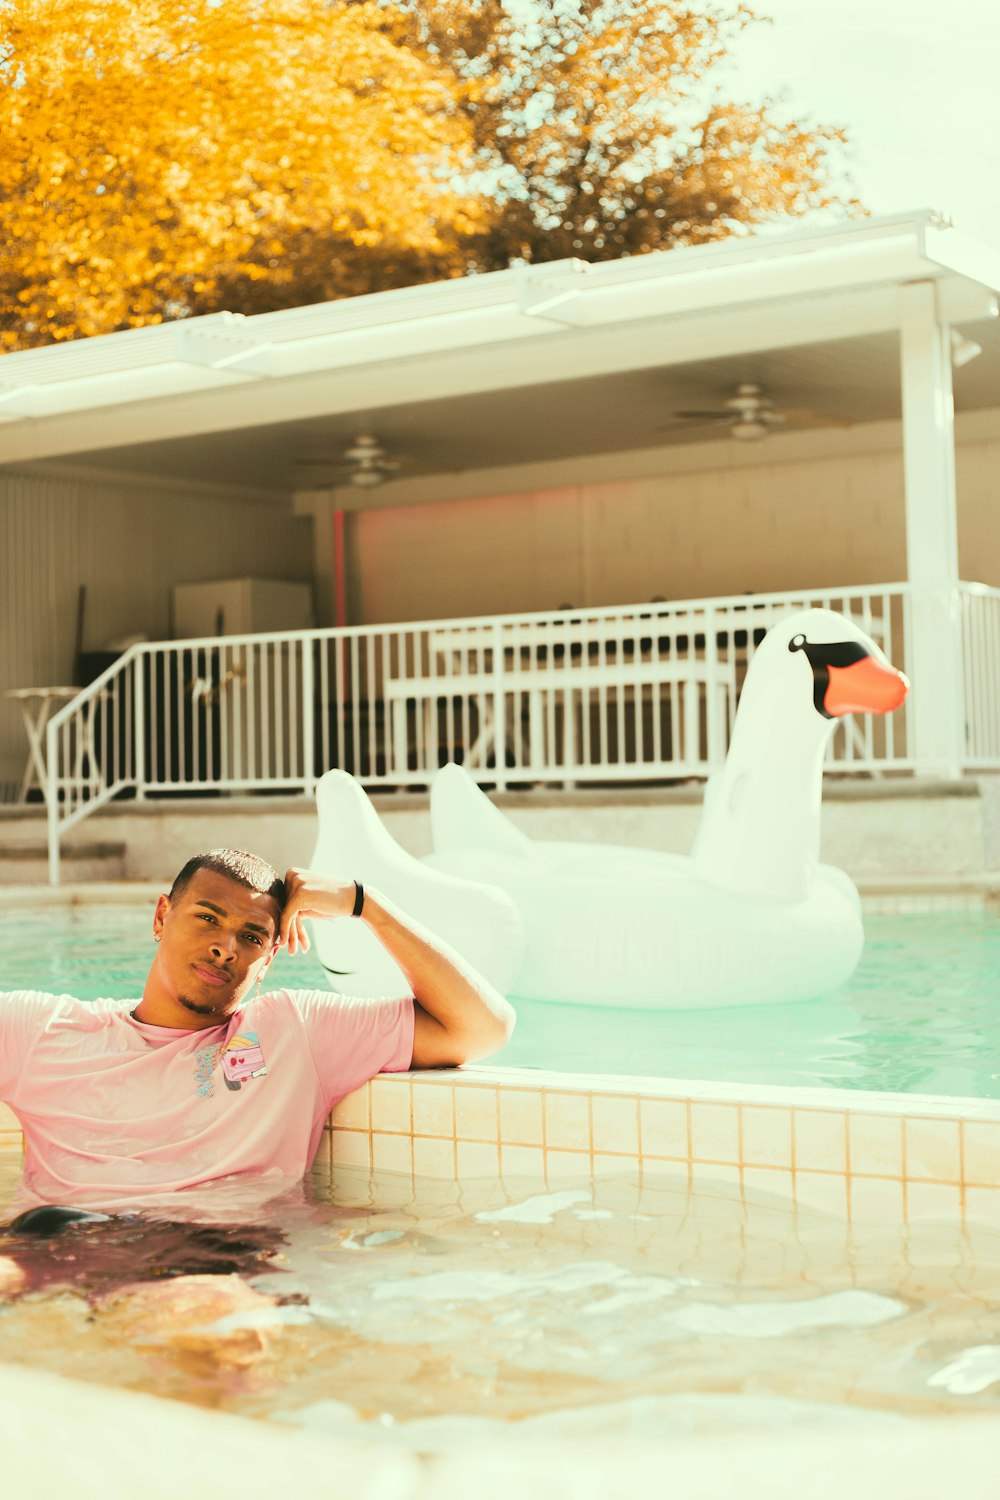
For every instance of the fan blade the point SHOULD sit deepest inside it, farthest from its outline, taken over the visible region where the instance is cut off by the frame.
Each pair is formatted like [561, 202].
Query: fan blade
[801, 416]
[338, 462]
[709, 416]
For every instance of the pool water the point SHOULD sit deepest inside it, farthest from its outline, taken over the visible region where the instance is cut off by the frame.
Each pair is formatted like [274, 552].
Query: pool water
[429, 1314]
[921, 1014]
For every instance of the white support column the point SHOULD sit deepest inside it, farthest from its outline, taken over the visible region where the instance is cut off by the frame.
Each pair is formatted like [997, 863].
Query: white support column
[933, 653]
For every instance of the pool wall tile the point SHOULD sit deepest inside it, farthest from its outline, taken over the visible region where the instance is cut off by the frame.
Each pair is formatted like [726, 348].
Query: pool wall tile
[521, 1117]
[323, 1160]
[772, 1181]
[392, 1153]
[433, 1158]
[351, 1148]
[477, 1159]
[392, 1104]
[823, 1192]
[433, 1110]
[521, 1161]
[981, 1152]
[933, 1150]
[934, 1201]
[476, 1114]
[715, 1132]
[875, 1145]
[605, 1163]
[567, 1164]
[615, 1125]
[706, 1173]
[354, 1110]
[875, 1200]
[982, 1206]
[766, 1136]
[820, 1140]
[663, 1124]
[567, 1122]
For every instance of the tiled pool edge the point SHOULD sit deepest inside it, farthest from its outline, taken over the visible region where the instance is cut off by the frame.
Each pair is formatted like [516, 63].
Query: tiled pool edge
[863, 1157]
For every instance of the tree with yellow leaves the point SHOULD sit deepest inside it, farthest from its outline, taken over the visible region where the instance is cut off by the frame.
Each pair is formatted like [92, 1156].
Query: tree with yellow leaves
[601, 131]
[161, 160]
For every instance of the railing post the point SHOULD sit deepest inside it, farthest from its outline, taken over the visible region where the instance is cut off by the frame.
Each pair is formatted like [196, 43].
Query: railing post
[499, 710]
[139, 723]
[309, 719]
[713, 726]
[52, 800]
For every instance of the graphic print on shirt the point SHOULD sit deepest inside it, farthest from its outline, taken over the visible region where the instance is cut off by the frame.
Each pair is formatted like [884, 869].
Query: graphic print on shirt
[205, 1060]
[242, 1060]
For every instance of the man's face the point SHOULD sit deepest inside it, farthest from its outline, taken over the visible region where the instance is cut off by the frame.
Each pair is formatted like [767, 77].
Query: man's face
[216, 939]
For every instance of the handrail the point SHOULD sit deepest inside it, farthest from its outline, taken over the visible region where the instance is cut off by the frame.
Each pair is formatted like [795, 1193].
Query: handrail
[77, 779]
[612, 694]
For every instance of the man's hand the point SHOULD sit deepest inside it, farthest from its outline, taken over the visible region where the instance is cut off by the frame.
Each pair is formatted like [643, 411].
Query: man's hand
[309, 894]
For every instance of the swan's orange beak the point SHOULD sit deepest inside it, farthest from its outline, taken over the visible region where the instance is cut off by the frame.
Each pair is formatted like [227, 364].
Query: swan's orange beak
[865, 687]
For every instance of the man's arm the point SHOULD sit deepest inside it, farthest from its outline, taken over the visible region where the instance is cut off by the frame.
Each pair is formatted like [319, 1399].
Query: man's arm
[459, 1016]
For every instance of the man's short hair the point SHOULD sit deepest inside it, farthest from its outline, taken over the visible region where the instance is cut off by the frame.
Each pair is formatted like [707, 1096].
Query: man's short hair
[246, 869]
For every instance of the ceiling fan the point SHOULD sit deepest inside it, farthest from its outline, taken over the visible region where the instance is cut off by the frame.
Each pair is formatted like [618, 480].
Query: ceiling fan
[364, 464]
[750, 415]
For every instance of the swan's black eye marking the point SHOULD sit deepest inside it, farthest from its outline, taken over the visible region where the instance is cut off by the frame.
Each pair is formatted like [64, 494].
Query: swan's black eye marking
[821, 658]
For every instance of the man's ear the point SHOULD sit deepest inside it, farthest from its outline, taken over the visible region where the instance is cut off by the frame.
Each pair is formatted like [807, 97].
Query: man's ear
[162, 907]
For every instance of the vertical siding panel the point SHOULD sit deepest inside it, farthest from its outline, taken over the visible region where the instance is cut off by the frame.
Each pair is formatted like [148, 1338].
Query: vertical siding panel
[129, 544]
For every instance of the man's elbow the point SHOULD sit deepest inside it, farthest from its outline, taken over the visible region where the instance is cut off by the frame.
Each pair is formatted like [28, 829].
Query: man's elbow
[487, 1038]
[436, 1046]
[503, 1028]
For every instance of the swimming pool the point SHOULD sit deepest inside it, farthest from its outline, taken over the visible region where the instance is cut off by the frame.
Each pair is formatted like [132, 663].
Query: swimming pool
[808, 1268]
[921, 1015]
[431, 1315]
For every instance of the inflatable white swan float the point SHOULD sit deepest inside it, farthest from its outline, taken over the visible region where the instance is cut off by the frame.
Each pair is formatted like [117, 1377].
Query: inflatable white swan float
[750, 917]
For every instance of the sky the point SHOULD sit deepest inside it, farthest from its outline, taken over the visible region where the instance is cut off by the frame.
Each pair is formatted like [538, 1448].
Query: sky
[915, 83]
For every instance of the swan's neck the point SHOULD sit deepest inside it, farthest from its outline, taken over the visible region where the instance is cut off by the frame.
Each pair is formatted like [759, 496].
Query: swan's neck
[760, 830]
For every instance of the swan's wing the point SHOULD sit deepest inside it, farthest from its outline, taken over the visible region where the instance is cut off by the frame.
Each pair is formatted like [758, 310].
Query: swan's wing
[479, 921]
[463, 817]
[466, 825]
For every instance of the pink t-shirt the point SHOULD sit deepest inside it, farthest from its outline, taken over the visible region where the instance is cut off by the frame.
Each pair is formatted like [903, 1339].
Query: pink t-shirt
[119, 1115]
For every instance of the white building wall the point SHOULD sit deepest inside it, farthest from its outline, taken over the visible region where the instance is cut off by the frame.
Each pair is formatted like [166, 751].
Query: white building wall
[802, 511]
[129, 543]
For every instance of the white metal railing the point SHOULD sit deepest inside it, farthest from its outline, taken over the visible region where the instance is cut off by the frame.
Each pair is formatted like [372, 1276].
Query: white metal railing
[980, 624]
[602, 695]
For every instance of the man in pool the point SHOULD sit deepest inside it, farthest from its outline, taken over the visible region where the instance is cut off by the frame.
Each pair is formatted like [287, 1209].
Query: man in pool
[208, 1096]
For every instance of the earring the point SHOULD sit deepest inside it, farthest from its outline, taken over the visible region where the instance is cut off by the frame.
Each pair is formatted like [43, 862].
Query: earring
[156, 937]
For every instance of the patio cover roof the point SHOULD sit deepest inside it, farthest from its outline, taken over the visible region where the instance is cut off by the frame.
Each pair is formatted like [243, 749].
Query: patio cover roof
[567, 324]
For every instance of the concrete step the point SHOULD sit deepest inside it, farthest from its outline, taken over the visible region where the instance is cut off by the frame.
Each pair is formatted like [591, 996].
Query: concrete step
[26, 862]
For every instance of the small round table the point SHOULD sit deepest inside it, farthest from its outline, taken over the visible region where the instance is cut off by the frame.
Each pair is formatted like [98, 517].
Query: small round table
[36, 705]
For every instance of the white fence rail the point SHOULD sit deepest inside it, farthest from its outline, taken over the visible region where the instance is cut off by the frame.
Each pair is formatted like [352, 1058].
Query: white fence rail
[980, 619]
[640, 693]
